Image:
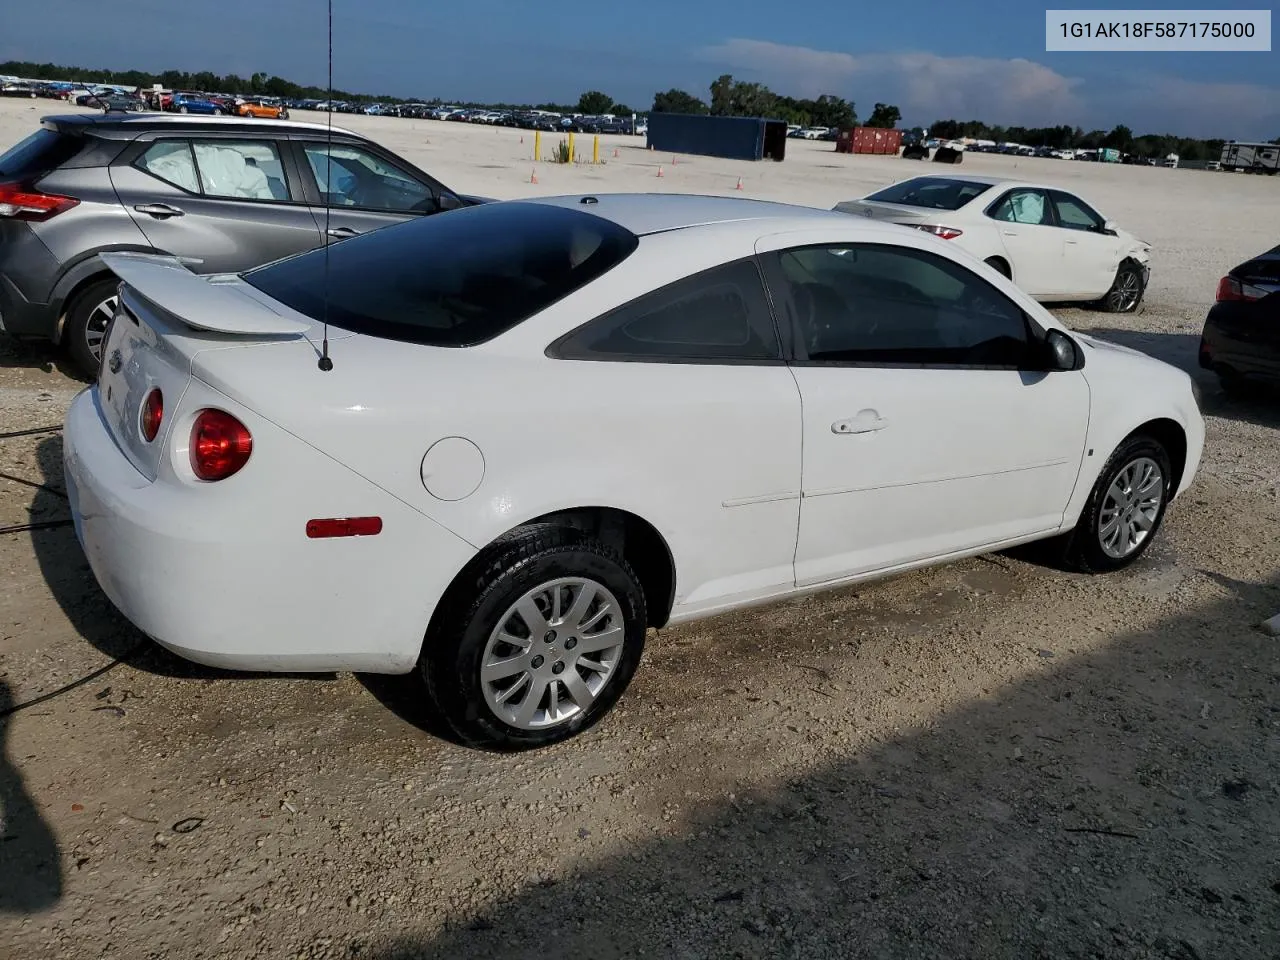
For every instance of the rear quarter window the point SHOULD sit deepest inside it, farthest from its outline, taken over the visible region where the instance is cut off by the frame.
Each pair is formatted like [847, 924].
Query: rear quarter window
[451, 279]
[37, 154]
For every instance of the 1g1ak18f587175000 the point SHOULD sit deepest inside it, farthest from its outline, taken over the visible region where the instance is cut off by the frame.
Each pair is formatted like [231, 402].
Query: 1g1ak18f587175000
[1126, 30]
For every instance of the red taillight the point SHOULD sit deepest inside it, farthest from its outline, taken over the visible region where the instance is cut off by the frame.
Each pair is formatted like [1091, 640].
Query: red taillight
[152, 414]
[19, 204]
[1229, 288]
[344, 527]
[220, 445]
[946, 233]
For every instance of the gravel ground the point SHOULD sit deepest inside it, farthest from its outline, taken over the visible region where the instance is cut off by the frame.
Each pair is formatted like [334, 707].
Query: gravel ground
[990, 759]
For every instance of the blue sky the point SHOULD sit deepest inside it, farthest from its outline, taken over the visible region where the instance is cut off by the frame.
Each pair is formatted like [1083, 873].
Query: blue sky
[944, 59]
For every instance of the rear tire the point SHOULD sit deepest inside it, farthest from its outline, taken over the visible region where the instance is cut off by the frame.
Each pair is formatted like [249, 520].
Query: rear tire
[87, 317]
[1140, 465]
[545, 695]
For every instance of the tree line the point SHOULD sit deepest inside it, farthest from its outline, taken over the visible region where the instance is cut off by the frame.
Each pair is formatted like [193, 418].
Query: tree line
[739, 98]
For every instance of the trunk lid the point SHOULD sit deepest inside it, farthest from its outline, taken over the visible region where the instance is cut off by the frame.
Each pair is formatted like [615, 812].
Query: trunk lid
[165, 316]
[895, 212]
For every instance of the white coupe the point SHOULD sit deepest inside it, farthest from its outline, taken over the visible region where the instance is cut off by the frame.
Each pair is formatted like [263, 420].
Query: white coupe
[1051, 243]
[536, 428]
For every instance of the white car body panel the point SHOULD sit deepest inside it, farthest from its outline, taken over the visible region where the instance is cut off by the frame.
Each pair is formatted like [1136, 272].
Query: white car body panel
[736, 466]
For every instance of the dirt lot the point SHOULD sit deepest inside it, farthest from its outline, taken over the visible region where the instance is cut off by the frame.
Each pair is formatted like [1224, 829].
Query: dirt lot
[987, 760]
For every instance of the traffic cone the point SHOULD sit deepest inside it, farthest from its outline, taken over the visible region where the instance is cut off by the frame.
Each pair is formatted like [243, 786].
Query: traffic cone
[533, 176]
[615, 153]
[739, 186]
[659, 171]
[674, 160]
[522, 139]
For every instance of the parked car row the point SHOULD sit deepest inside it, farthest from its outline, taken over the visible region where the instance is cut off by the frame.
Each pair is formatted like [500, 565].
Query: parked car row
[844, 342]
[523, 119]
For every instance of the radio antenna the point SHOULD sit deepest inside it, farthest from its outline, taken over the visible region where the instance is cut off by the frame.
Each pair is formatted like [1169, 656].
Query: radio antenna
[325, 362]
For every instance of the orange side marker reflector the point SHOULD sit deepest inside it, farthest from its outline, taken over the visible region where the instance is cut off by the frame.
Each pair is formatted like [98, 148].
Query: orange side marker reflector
[344, 527]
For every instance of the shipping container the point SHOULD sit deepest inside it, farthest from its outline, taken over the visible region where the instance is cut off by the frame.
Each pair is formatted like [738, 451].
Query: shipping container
[875, 140]
[737, 138]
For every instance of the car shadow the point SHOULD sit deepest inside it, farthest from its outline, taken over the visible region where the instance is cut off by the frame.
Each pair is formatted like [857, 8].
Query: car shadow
[72, 584]
[406, 696]
[30, 863]
[1260, 405]
[37, 355]
[1112, 803]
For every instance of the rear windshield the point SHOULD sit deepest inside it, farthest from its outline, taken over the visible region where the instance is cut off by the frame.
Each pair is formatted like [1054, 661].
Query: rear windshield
[38, 153]
[450, 279]
[937, 193]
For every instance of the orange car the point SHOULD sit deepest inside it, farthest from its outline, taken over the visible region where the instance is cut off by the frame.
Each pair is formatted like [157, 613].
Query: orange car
[257, 108]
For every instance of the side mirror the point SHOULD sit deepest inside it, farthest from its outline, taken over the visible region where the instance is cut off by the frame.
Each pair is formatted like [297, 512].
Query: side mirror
[1061, 351]
[450, 202]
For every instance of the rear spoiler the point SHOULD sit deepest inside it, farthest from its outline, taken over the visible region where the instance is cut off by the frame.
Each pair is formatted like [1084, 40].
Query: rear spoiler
[220, 308]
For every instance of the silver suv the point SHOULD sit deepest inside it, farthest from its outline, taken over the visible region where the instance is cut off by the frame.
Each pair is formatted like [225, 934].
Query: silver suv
[224, 194]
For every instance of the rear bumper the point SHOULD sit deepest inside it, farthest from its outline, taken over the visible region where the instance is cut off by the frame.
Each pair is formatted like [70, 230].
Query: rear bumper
[228, 577]
[28, 272]
[21, 317]
[1242, 338]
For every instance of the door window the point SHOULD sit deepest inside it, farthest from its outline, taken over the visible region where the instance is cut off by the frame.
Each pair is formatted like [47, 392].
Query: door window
[240, 169]
[231, 169]
[350, 176]
[172, 162]
[885, 305]
[719, 315]
[1023, 206]
[1074, 213]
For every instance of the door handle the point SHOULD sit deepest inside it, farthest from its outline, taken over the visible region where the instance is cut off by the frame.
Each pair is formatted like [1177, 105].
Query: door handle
[343, 232]
[158, 210]
[866, 422]
[1070, 240]
[1010, 233]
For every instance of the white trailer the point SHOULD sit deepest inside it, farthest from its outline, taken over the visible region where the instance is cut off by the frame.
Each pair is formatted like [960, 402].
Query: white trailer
[1251, 157]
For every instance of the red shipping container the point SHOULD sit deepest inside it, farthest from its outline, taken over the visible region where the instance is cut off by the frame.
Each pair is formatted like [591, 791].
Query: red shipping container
[874, 140]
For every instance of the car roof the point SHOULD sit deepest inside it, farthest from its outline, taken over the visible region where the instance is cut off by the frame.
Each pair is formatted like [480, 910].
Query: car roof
[109, 124]
[646, 213]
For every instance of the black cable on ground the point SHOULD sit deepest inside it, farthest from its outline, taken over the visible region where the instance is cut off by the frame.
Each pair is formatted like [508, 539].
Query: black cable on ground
[33, 483]
[87, 678]
[29, 433]
[38, 525]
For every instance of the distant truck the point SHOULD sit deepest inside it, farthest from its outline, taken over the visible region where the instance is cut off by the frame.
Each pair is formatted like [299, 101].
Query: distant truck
[1251, 157]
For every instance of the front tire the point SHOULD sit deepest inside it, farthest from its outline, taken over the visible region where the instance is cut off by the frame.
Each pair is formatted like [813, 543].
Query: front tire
[1126, 290]
[1125, 508]
[87, 317]
[540, 644]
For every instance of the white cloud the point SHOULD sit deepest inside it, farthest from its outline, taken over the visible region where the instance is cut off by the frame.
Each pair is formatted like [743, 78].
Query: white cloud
[930, 86]
[923, 85]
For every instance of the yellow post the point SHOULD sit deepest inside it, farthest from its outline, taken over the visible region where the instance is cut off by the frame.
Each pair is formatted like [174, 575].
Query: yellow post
[595, 150]
[537, 145]
[571, 146]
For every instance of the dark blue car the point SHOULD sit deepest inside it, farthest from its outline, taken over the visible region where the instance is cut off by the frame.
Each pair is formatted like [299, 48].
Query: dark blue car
[183, 104]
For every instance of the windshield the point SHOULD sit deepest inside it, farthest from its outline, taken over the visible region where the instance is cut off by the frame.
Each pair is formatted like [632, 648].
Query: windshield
[450, 279]
[937, 193]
